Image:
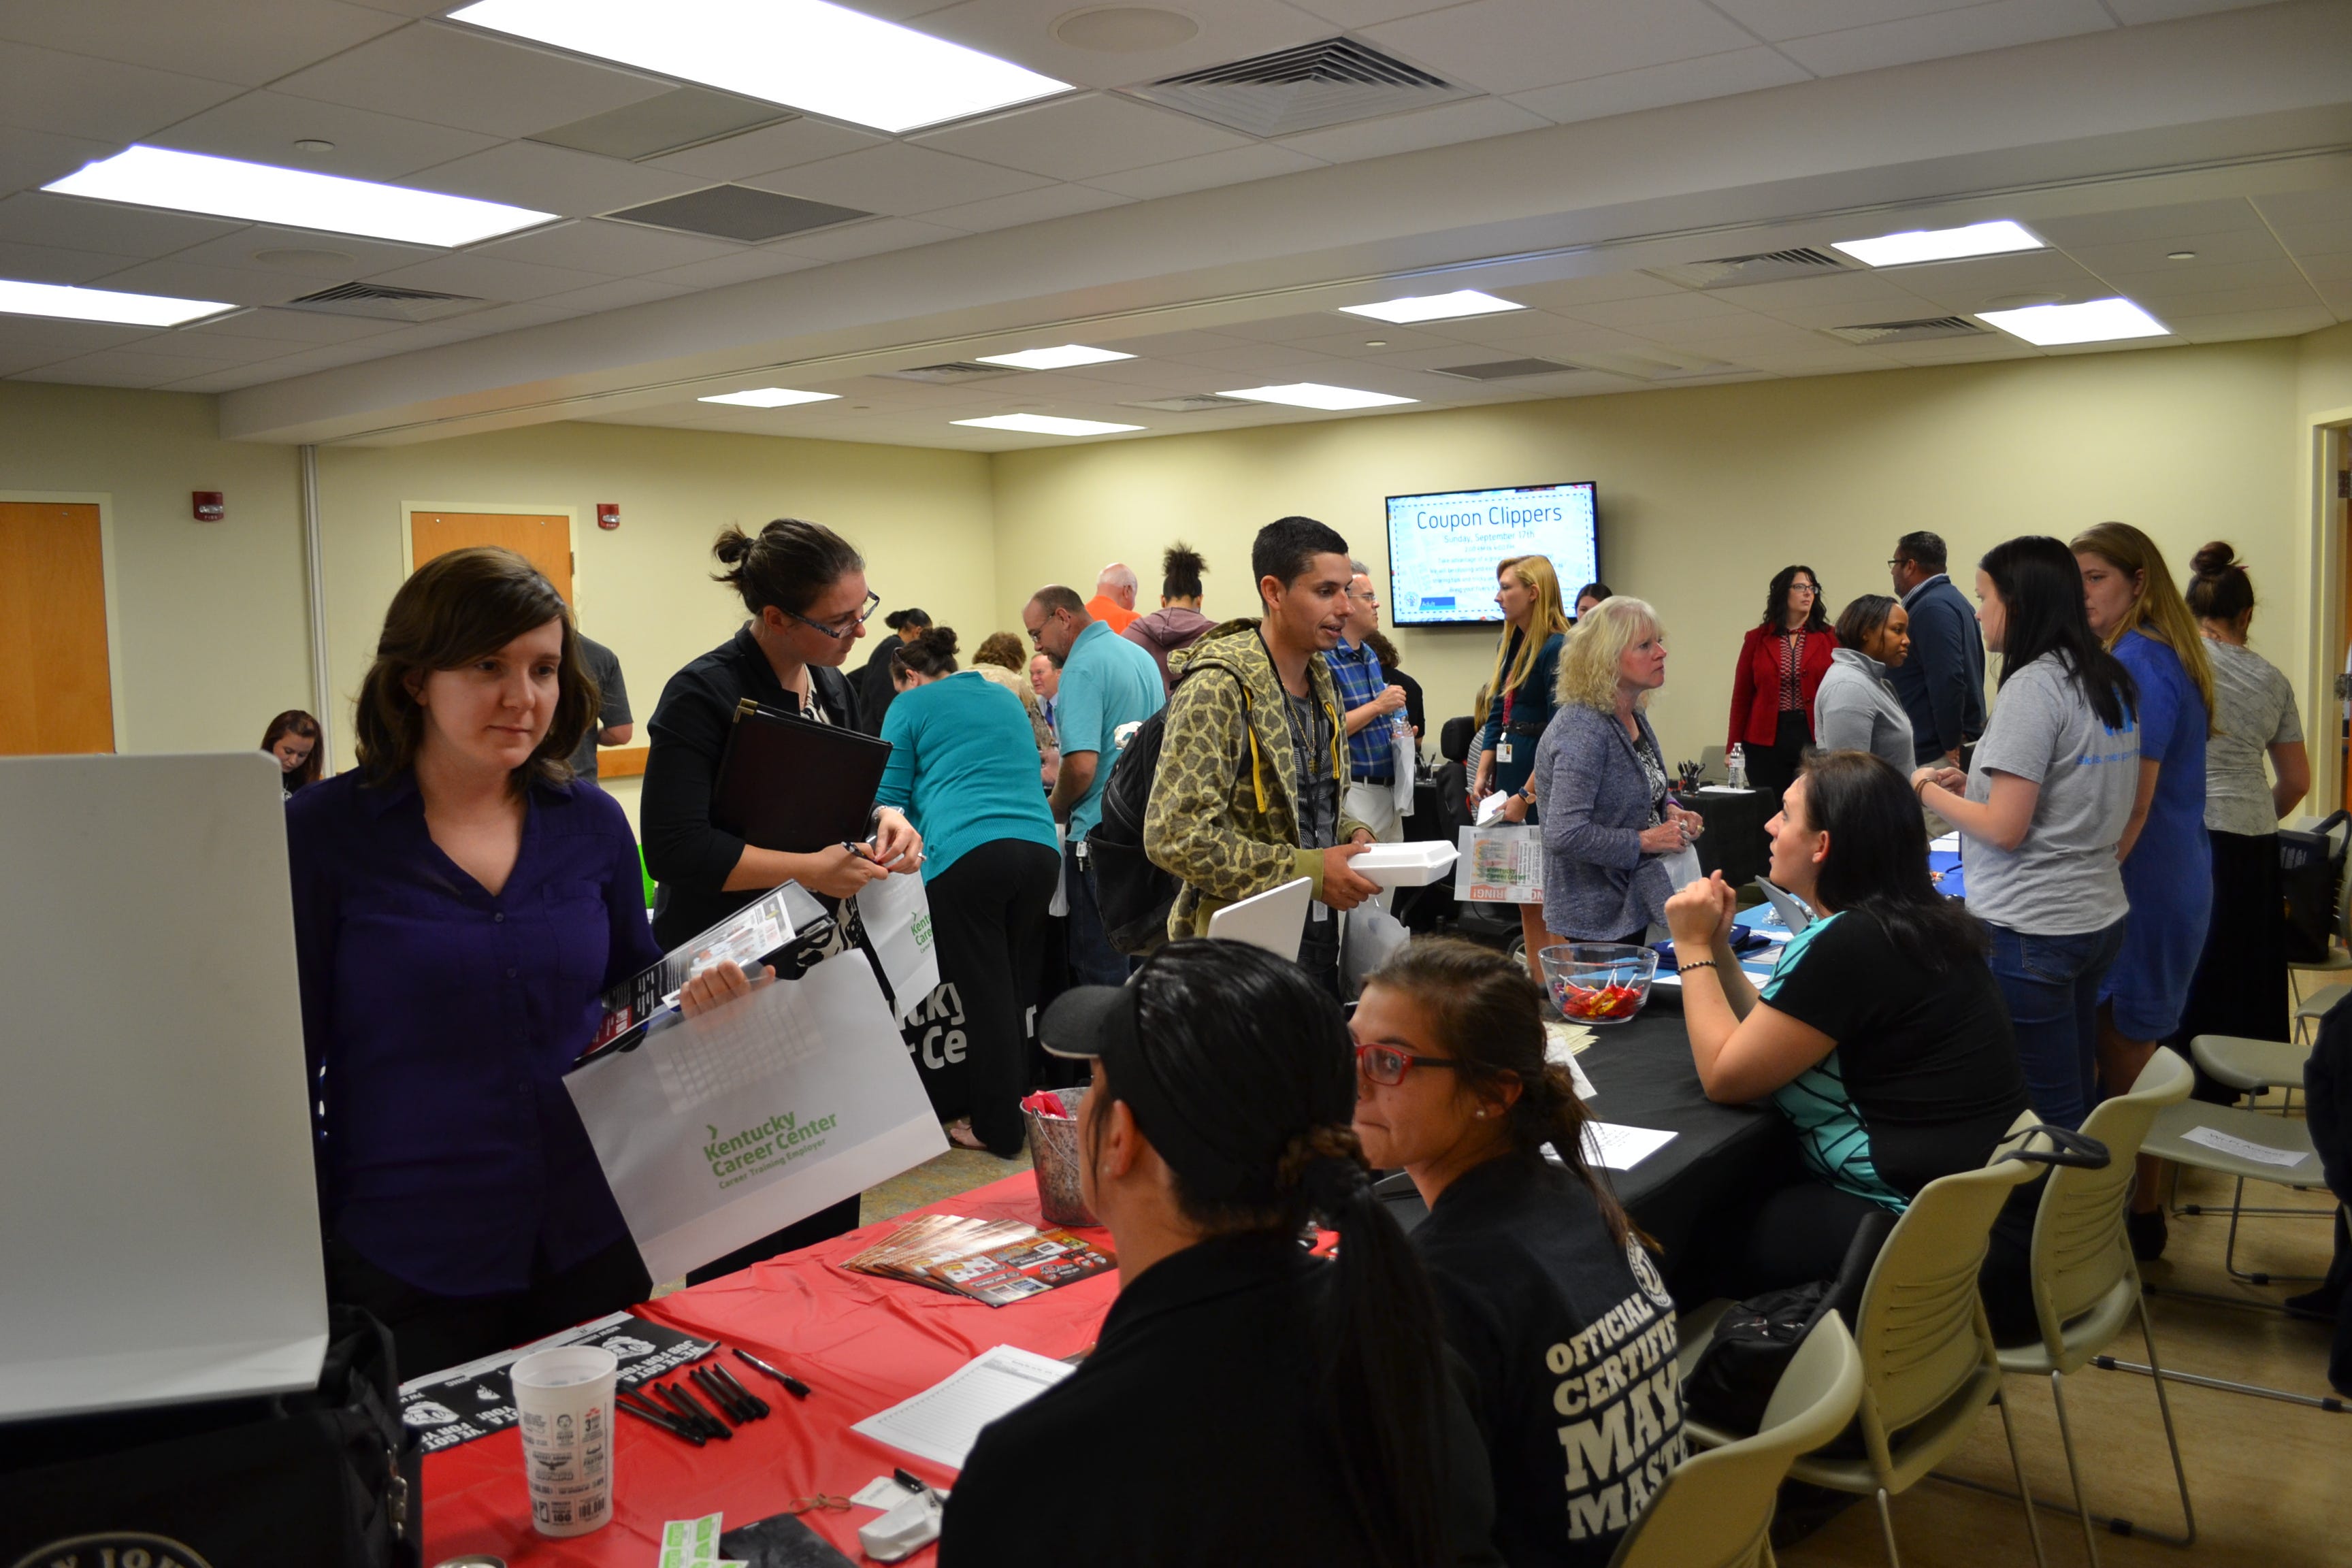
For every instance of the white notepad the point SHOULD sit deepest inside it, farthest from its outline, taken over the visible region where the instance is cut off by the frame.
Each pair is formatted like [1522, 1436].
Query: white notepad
[941, 1423]
[1616, 1147]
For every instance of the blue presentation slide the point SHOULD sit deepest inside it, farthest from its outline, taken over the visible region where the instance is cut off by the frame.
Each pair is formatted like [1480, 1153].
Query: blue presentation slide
[1443, 548]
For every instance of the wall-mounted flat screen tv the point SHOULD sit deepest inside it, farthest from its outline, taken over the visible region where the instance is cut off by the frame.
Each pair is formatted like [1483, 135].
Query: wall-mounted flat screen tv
[1443, 547]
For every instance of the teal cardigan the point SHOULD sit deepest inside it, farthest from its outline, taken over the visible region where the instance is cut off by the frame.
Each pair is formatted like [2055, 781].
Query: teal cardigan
[963, 767]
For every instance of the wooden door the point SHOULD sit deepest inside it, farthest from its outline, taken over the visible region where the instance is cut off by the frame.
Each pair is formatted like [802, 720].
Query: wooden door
[2339, 715]
[544, 542]
[56, 695]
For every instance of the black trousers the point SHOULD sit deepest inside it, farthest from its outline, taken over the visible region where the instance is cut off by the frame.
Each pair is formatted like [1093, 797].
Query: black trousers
[988, 910]
[430, 1332]
[1773, 768]
[2241, 986]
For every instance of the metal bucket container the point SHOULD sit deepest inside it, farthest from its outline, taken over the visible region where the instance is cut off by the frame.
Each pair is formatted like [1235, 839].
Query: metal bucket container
[1053, 1154]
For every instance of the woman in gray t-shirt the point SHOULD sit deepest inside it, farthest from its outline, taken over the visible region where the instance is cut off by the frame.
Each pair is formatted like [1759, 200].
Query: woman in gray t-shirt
[2047, 797]
[2241, 986]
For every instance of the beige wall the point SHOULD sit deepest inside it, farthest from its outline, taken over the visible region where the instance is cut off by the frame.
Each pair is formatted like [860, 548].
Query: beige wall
[1705, 492]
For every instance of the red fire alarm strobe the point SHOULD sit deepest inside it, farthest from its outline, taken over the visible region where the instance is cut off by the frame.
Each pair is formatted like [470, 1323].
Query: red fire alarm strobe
[210, 508]
[608, 514]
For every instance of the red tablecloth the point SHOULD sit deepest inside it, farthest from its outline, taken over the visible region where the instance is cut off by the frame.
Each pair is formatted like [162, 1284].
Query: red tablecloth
[862, 1343]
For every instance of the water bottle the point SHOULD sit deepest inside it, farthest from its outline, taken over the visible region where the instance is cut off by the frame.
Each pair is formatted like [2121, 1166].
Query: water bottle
[1735, 762]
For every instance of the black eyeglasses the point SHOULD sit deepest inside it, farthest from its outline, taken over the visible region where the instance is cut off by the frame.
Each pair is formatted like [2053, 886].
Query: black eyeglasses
[848, 627]
[1388, 1065]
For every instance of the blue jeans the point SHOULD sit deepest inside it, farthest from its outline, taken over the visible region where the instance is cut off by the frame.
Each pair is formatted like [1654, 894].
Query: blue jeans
[1093, 960]
[2051, 987]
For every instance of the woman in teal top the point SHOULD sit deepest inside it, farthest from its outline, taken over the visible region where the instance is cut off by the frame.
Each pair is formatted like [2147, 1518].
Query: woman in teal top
[963, 764]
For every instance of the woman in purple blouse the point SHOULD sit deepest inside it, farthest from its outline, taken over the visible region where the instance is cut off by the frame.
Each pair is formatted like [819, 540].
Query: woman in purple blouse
[459, 904]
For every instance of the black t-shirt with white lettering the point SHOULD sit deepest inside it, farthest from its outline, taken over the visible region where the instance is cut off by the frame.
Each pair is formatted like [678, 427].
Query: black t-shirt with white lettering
[1570, 1339]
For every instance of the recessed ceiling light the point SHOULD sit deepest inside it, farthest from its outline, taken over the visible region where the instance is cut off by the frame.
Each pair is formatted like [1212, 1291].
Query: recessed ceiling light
[312, 145]
[2092, 321]
[803, 54]
[224, 187]
[1998, 238]
[1045, 424]
[769, 397]
[1377, 343]
[2181, 256]
[1433, 307]
[1315, 394]
[102, 305]
[1061, 358]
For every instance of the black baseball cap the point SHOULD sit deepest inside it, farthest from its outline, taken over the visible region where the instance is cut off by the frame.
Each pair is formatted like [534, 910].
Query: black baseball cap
[1090, 1022]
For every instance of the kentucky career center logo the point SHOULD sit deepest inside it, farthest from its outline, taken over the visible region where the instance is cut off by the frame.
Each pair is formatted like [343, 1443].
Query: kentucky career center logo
[114, 1549]
[779, 1139]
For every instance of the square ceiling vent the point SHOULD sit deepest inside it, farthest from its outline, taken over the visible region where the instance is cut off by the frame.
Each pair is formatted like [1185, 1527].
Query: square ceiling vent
[382, 302]
[1763, 266]
[1506, 369]
[1919, 332]
[1326, 83]
[1192, 403]
[950, 374]
[738, 212]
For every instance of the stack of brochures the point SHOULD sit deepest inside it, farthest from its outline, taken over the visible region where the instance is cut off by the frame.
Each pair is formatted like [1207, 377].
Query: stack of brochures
[995, 1261]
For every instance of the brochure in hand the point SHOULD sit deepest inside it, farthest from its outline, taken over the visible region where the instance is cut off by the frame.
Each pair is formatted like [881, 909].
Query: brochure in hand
[995, 1261]
[459, 1403]
[749, 936]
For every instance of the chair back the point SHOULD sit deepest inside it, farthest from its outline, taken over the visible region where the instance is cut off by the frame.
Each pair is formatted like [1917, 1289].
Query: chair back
[2080, 1249]
[1454, 739]
[1716, 1509]
[1921, 1330]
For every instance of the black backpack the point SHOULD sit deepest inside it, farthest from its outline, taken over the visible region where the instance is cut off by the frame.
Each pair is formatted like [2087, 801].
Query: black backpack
[1134, 895]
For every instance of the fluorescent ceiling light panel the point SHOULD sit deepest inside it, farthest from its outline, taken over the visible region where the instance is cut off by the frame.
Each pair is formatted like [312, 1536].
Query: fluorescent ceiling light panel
[1917, 244]
[803, 54]
[1315, 394]
[1045, 424]
[224, 187]
[2092, 321]
[102, 305]
[769, 397]
[1434, 308]
[1062, 358]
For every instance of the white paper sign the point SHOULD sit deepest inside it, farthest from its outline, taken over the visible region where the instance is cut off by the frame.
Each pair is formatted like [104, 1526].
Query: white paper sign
[1500, 865]
[2242, 1148]
[898, 916]
[721, 1129]
[941, 1423]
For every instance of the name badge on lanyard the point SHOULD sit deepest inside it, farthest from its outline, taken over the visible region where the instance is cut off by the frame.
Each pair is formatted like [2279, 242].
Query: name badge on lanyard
[1503, 742]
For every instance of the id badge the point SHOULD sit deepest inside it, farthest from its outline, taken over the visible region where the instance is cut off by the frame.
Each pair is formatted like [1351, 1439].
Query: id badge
[1503, 751]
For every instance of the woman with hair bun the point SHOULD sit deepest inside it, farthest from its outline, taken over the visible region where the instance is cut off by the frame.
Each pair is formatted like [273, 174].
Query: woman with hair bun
[1529, 1256]
[2241, 987]
[959, 770]
[1246, 1401]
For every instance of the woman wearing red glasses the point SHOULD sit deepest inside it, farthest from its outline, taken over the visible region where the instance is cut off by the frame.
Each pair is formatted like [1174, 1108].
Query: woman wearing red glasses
[1543, 1285]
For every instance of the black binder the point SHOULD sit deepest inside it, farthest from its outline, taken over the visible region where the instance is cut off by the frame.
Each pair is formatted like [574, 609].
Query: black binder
[791, 783]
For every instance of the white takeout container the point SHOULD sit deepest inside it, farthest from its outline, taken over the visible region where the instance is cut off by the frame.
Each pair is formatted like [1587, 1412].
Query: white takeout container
[1414, 865]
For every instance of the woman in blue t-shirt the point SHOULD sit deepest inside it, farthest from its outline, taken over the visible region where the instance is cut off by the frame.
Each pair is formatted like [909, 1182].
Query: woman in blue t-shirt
[963, 768]
[2167, 861]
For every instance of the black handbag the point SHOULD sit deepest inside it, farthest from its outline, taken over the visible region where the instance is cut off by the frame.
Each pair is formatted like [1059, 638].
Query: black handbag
[1756, 1339]
[326, 1479]
[2311, 869]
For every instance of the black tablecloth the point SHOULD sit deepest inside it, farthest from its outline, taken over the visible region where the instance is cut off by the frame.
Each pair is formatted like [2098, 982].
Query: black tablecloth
[1733, 842]
[1643, 1077]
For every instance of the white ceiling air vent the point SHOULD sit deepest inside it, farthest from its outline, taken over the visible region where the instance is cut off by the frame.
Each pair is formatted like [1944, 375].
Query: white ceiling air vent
[1327, 83]
[382, 302]
[1505, 369]
[950, 374]
[1653, 363]
[1192, 403]
[1764, 267]
[1918, 332]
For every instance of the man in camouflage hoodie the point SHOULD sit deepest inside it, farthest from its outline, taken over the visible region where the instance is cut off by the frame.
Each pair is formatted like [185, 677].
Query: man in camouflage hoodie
[1254, 762]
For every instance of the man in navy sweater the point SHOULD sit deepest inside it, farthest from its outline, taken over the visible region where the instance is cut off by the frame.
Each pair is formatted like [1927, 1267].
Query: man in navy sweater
[1942, 683]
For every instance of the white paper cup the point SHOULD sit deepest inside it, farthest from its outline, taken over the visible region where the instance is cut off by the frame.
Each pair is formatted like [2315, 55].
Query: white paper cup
[564, 1400]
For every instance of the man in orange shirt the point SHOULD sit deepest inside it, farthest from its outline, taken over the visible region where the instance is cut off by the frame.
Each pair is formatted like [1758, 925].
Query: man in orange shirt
[1114, 599]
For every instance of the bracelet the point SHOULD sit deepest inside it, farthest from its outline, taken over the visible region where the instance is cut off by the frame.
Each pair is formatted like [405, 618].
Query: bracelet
[1702, 964]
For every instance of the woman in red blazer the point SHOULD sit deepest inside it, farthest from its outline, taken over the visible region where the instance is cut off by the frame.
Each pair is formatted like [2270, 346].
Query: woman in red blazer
[1782, 663]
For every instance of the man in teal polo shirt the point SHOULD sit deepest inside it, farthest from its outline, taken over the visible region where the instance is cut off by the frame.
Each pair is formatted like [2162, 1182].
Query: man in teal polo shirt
[1108, 683]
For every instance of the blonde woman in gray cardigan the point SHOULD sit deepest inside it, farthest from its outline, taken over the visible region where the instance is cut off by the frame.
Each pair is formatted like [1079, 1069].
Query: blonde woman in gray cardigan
[1608, 819]
[1856, 709]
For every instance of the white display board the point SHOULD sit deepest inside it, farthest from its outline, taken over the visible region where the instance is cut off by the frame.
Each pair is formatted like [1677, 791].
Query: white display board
[159, 1225]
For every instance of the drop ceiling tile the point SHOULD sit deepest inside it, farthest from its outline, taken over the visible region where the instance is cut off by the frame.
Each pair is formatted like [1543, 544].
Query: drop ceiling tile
[53, 264]
[485, 277]
[1566, 293]
[1347, 343]
[1299, 327]
[1167, 345]
[2329, 271]
[1973, 284]
[29, 341]
[1470, 119]
[33, 217]
[1999, 26]
[1361, 14]
[2317, 238]
[43, 89]
[615, 250]
[1285, 362]
[120, 367]
[251, 43]
[2280, 323]
[2175, 279]
[1502, 331]
[1242, 164]
[453, 77]
[509, 318]
[1078, 138]
[1512, 46]
[229, 380]
[216, 350]
[2175, 221]
[303, 253]
[2152, 254]
[194, 280]
[295, 328]
[2297, 208]
[2179, 308]
[869, 239]
[553, 179]
[326, 356]
[763, 152]
[1634, 314]
[1773, 20]
[1729, 338]
[897, 179]
[1960, 350]
[2133, 13]
[1023, 31]
[1835, 290]
[262, 128]
[1026, 206]
[1655, 86]
[35, 157]
[614, 295]
[741, 267]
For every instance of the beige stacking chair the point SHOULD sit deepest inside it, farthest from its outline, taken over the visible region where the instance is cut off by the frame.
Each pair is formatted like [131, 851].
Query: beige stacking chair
[1716, 1509]
[2297, 1164]
[1928, 1363]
